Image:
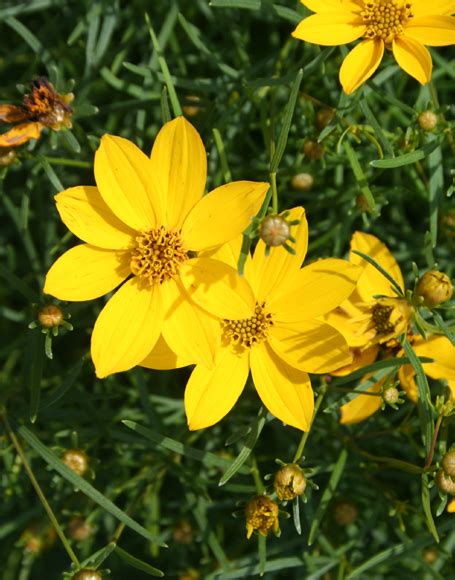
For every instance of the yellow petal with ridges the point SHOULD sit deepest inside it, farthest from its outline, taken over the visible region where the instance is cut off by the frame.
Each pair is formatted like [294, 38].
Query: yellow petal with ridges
[360, 64]
[211, 394]
[125, 181]
[330, 28]
[127, 328]
[328, 5]
[285, 391]
[86, 215]
[273, 272]
[315, 290]
[229, 254]
[189, 331]
[413, 58]
[406, 376]
[362, 407]
[218, 288]
[424, 7]
[163, 358]
[179, 162]
[442, 351]
[311, 346]
[360, 358]
[349, 320]
[372, 282]
[223, 214]
[86, 272]
[432, 30]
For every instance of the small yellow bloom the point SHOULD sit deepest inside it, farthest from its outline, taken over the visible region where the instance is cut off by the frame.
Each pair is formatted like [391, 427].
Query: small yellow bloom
[143, 226]
[268, 322]
[402, 26]
[261, 514]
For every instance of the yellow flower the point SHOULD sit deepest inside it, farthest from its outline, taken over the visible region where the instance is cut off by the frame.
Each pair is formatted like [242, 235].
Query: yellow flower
[365, 347]
[403, 26]
[261, 514]
[143, 225]
[267, 322]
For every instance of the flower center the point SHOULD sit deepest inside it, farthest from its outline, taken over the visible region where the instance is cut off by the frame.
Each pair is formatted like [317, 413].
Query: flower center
[158, 255]
[385, 18]
[248, 331]
[380, 314]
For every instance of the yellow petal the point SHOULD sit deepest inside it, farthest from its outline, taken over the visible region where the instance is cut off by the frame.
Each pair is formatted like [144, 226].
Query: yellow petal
[223, 214]
[211, 394]
[360, 64]
[432, 30]
[315, 290]
[330, 28]
[20, 134]
[328, 5]
[372, 282]
[188, 330]
[360, 358]
[12, 114]
[163, 358]
[442, 351]
[179, 161]
[451, 506]
[271, 272]
[125, 181]
[86, 272]
[87, 216]
[127, 328]
[311, 346]
[422, 7]
[406, 376]
[218, 288]
[362, 407]
[348, 318]
[285, 391]
[413, 58]
[451, 385]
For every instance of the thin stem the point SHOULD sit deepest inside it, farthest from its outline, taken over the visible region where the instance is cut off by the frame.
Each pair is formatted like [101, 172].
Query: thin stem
[274, 192]
[433, 441]
[303, 440]
[257, 477]
[40, 493]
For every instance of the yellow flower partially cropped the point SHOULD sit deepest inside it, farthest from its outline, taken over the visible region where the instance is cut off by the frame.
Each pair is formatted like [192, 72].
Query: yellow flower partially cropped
[405, 27]
[268, 322]
[143, 225]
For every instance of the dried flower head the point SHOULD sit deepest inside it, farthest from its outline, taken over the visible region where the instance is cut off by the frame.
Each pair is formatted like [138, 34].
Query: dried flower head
[261, 514]
[445, 483]
[77, 460]
[448, 463]
[434, 288]
[50, 316]
[289, 482]
[313, 150]
[345, 512]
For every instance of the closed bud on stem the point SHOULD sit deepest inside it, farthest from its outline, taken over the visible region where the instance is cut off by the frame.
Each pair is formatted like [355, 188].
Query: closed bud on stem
[302, 182]
[427, 120]
[261, 514]
[77, 460]
[391, 395]
[87, 574]
[313, 150]
[192, 106]
[448, 463]
[79, 529]
[434, 288]
[323, 118]
[50, 316]
[445, 483]
[430, 555]
[183, 533]
[289, 482]
[274, 230]
[345, 512]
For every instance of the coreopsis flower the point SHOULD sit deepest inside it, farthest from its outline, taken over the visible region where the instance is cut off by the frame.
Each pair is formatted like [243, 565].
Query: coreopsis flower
[143, 225]
[405, 27]
[268, 322]
[367, 340]
[261, 514]
[42, 107]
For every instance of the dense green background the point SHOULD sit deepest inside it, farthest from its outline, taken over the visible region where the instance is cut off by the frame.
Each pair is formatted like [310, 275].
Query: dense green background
[241, 63]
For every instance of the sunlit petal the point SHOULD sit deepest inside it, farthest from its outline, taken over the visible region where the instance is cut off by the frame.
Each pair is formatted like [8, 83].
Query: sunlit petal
[432, 30]
[330, 29]
[163, 358]
[360, 64]
[413, 58]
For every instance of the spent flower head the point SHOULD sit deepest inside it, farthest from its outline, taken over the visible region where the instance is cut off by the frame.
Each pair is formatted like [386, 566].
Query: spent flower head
[261, 514]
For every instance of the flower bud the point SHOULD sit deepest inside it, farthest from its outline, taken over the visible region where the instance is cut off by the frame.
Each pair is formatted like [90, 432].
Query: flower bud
[79, 529]
[313, 150]
[274, 230]
[261, 514]
[323, 117]
[434, 288]
[345, 512]
[192, 106]
[391, 395]
[289, 482]
[427, 120]
[50, 316]
[183, 533]
[77, 460]
[430, 555]
[302, 182]
[448, 463]
[7, 156]
[87, 574]
[444, 483]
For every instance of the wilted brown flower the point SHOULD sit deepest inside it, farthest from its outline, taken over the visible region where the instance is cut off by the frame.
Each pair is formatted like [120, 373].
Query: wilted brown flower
[261, 514]
[289, 482]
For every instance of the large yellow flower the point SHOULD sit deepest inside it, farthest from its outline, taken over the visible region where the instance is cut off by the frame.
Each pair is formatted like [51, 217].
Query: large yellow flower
[404, 26]
[267, 323]
[145, 223]
[365, 340]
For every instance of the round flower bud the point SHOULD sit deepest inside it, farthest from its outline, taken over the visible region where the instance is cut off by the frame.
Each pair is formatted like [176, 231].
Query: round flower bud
[444, 483]
[427, 120]
[323, 118]
[302, 182]
[183, 533]
[430, 555]
[50, 316]
[7, 157]
[87, 575]
[434, 288]
[192, 107]
[190, 575]
[289, 482]
[448, 463]
[261, 514]
[391, 395]
[313, 150]
[345, 512]
[77, 460]
[274, 230]
[79, 529]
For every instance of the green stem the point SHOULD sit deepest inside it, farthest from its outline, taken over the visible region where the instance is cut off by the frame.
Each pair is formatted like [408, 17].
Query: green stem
[257, 477]
[303, 440]
[274, 193]
[40, 493]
